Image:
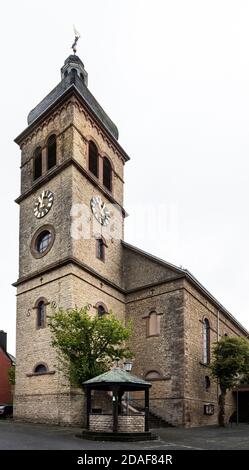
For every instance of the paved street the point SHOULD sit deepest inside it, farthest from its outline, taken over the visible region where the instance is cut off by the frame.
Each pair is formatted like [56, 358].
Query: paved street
[36, 436]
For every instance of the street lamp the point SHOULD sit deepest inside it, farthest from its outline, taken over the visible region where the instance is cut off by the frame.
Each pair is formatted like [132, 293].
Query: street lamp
[117, 359]
[127, 367]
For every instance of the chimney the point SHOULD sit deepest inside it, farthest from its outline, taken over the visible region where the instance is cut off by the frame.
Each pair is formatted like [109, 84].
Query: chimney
[3, 340]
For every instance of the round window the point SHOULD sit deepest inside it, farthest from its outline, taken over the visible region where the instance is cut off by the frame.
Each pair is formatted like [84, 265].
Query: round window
[43, 241]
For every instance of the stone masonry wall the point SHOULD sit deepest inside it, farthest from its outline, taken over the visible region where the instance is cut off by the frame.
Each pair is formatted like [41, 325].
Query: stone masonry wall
[104, 423]
[39, 397]
[101, 423]
[197, 308]
[43, 398]
[67, 287]
[73, 128]
[85, 228]
[177, 353]
[59, 123]
[85, 130]
[58, 217]
[164, 353]
[140, 270]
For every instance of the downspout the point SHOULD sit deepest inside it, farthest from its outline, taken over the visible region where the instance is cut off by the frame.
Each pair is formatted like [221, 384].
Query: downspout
[218, 326]
[218, 338]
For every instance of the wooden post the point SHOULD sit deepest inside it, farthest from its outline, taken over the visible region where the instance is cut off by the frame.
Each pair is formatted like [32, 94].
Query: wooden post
[88, 407]
[146, 414]
[115, 409]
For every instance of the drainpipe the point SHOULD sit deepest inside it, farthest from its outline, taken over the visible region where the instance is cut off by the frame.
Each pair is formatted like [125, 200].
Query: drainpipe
[218, 338]
[218, 326]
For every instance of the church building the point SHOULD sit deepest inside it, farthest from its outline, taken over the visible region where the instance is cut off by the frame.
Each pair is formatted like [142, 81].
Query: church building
[72, 252]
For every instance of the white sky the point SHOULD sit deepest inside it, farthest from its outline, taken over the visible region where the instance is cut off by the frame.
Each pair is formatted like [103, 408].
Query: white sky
[174, 76]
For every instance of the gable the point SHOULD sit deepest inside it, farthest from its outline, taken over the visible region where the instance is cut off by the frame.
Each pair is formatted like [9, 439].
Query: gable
[142, 269]
[4, 357]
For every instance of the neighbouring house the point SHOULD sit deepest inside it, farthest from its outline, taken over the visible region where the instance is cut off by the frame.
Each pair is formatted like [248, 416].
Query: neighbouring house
[6, 361]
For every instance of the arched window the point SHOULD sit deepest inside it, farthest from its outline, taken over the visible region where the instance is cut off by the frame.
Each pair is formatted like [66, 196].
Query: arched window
[93, 159]
[101, 310]
[41, 314]
[51, 152]
[40, 369]
[37, 163]
[107, 174]
[100, 248]
[153, 327]
[153, 375]
[207, 383]
[206, 341]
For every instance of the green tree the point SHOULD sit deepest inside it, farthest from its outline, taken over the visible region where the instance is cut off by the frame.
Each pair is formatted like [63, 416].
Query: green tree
[87, 345]
[12, 374]
[230, 365]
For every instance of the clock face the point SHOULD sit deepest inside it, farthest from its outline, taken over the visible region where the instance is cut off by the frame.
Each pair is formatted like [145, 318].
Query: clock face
[43, 204]
[100, 211]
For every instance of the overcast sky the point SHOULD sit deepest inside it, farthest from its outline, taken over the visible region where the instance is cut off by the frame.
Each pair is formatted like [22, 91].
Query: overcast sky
[174, 76]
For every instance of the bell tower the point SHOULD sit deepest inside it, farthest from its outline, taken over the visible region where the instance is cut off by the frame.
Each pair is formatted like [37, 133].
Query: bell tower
[71, 227]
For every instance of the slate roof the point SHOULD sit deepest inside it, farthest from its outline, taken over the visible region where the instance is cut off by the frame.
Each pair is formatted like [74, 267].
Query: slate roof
[67, 83]
[117, 376]
[12, 358]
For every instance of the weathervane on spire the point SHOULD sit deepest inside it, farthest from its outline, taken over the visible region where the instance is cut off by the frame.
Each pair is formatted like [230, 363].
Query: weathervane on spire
[76, 38]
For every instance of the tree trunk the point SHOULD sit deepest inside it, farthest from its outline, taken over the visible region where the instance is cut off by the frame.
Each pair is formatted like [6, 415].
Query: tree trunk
[221, 415]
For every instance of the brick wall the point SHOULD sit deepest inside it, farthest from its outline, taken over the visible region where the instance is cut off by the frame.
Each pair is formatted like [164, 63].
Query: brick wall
[5, 387]
[125, 423]
[101, 423]
[62, 408]
[131, 423]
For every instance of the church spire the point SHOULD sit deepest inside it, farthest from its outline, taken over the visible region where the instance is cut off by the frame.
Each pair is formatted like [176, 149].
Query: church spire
[74, 78]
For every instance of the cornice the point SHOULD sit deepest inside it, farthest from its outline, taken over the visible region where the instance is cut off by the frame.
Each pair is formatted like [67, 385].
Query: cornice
[76, 262]
[64, 262]
[33, 129]
[54, 172]
[220, 308]
[88, 269]
[184, 273]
